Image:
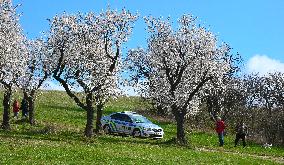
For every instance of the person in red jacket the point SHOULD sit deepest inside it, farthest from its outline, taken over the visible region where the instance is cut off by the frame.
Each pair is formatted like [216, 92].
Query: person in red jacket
[220, 127]
[16, 108]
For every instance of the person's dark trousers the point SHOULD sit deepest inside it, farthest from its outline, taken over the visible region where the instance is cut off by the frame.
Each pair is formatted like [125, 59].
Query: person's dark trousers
[221, 138]
[240, 136]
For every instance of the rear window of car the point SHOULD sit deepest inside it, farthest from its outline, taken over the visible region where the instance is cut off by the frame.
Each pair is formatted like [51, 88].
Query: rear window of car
[140, 119]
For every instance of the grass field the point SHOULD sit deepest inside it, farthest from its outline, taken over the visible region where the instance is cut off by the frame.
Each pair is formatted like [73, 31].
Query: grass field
[57, 138]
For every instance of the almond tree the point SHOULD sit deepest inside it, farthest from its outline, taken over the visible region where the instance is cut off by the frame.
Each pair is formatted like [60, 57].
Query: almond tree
[178, 65]
[37, 70]
[266, 93]
[12, 54]
[227, 100]
[86, 50]
[278, 79]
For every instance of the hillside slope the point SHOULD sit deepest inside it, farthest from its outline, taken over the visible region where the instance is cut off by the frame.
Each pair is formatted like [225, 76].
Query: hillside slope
[57, 138]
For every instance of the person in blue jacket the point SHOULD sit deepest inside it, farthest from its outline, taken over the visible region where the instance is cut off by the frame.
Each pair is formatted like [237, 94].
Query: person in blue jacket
[24, 108]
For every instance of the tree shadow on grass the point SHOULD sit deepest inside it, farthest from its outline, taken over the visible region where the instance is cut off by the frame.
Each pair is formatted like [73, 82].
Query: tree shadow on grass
[21, 129]
[114, 138]
[126, 139]
[42, 134]
[45, 133]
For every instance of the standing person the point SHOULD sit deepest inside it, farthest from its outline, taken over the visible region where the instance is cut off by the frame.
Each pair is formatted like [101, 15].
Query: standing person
[220, 128]
[241, 132]
[16, 108]
[24, 108]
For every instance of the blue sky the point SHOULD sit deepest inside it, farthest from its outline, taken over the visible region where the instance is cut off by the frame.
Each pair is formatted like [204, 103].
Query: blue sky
[254, 28]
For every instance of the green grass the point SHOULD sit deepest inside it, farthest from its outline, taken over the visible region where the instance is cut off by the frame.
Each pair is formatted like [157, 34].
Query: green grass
[108, 150]
[209, 140]
[57, 138]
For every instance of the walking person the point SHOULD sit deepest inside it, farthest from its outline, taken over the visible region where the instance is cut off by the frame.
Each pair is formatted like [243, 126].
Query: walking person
[24, 108]
[220, 128]
[241, 133]
[16, 108]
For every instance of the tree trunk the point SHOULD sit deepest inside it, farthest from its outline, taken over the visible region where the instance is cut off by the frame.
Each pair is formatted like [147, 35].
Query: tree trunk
[89, 126]
[26, 96]
[6, 105]
[282, 133]
[89, 132]
[181, 139]
[31, 109]
[99, 116]
[253, 122]
[180, 119]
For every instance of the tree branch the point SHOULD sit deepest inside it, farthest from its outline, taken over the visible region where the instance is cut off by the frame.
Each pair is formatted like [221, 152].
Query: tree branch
[69, 92]
[114, 59]
[203, 81]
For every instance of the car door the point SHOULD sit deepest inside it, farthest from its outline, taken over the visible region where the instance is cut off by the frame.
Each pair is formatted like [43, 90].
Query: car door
[117, 122]
[126, 124]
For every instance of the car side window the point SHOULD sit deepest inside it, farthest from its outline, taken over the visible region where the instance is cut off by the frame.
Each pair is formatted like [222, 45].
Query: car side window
[121, 117]
[126, 118]
[116, 116]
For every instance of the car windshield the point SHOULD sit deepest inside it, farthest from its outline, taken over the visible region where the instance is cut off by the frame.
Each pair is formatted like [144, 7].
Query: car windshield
[140, 119]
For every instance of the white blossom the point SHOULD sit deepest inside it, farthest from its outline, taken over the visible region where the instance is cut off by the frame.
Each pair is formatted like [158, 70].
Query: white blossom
[86, 50]
[13, 51]
[179, 64]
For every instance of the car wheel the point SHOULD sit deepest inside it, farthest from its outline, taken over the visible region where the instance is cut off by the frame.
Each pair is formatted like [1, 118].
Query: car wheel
[136, 133]
[107, 129]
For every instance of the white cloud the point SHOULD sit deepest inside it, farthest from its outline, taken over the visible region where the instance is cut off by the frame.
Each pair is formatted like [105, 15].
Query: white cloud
[263, 65]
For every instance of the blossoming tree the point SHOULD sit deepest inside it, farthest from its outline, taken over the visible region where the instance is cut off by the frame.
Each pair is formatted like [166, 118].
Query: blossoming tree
[265, 103]
[178, 65]
[37, 70]
[86, 50]
[12, 54]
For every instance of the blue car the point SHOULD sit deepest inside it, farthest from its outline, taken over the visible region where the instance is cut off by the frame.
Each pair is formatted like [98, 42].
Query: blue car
[131, 123]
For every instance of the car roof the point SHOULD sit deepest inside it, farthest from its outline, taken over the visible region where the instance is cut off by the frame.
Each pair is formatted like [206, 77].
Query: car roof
[129, 113]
